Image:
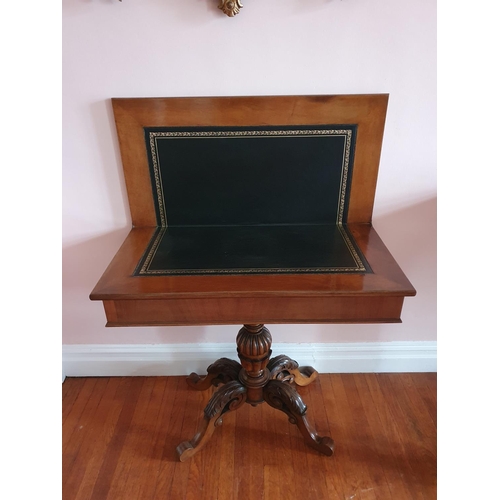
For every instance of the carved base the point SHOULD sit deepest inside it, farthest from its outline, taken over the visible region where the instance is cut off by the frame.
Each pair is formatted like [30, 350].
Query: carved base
[222, 371]
[229, 397]
[288, 370]
[255, 380]
[284, 397]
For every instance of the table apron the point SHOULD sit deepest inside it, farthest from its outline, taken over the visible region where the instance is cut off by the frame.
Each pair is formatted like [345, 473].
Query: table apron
[239, 310]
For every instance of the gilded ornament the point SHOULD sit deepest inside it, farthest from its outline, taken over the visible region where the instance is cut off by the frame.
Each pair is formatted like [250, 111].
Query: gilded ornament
[230, 7]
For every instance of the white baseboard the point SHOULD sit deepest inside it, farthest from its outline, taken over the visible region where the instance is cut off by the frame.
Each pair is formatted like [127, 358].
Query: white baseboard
[102, 360]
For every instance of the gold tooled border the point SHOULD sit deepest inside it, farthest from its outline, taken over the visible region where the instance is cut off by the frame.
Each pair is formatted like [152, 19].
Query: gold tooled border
[360, 267]
[248, 134]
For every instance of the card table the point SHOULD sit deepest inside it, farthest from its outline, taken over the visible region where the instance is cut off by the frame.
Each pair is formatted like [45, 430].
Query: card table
[252, 211]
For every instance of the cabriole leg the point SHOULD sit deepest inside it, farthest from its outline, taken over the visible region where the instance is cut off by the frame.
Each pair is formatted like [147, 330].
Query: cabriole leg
[284, 397]
[229, 397]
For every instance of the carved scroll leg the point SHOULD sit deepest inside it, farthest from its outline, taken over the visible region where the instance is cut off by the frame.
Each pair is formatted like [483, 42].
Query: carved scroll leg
[288, 370]
[229, 397]
[222, 371]
[284, 397]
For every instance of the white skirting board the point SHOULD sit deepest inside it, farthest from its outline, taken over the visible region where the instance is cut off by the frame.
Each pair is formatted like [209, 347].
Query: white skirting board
[102, 360]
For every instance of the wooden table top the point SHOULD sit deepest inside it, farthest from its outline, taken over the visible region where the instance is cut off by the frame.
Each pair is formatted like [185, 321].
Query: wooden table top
[230, 298]
[296, 296]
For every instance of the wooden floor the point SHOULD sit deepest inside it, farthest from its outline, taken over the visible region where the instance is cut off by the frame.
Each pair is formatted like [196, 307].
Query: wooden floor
[120, 434]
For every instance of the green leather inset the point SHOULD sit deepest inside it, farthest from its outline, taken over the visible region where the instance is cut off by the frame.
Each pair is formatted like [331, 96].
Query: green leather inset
[251, 200]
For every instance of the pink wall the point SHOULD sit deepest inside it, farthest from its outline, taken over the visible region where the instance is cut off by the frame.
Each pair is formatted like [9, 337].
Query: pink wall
[188, 48]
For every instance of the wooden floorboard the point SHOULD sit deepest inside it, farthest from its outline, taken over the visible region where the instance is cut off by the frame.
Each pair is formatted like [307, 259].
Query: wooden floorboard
[119, 436]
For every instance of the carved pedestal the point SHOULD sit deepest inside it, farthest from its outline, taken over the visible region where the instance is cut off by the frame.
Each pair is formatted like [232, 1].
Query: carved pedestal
[257, 379]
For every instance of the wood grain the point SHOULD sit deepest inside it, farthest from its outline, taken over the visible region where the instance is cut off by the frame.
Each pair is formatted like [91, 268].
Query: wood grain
[259, 298]
[312, 298]
[118, 281]
[366, 111]
[120, 434]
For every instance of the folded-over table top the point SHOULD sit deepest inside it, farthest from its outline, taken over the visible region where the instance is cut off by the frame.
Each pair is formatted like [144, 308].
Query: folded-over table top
[253, 210]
